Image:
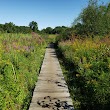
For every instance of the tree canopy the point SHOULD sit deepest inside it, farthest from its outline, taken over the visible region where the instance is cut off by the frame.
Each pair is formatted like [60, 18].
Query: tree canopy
[56, 30]
[34, 26]
[94, 19]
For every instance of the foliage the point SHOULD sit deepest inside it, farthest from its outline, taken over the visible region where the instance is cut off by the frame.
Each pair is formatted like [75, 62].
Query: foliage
[59, 29]
[94, 19]
[34, 26]
[52, 38]
[87, 64]
[84, 51]
[68, 34]
[56, 30]
[21, 56]
[9, 27]
[12, 28]
[48, 30]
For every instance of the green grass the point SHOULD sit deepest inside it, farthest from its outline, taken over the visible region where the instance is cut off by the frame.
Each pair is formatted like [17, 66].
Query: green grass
[21, 56]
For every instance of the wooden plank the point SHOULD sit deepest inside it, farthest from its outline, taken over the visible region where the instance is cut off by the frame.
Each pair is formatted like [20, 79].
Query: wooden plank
[51, 91]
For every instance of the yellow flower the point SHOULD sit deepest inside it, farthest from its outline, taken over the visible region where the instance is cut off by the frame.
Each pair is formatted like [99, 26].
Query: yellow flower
[87, 66]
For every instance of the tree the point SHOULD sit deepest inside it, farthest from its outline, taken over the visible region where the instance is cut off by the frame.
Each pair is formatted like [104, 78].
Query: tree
[94, 19]
[34, 26]
[1, 28]
[59, 29]
[12, 28]
[49, 30]
[9, 27]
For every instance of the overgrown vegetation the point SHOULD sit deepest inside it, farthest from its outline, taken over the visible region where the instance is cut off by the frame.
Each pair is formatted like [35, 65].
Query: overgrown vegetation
[21, 56]
[84, 50]
[88, 72]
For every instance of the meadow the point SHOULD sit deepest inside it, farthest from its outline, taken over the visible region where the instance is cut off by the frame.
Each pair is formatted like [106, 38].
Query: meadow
[86, 66]
[83, 50]
[21, 57]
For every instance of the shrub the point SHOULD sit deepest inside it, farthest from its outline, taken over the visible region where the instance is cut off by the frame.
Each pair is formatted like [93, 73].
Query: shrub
[88, 79]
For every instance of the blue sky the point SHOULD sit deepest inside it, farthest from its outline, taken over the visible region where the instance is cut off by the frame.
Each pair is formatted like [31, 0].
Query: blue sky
[47, 13]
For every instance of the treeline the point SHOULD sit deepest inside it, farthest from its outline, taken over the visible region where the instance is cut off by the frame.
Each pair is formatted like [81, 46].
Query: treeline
[12, 28]
[56, 30]
[93, 20]
[33, 27]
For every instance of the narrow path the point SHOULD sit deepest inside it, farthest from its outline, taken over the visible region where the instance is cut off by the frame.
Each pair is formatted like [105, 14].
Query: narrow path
[51, 91]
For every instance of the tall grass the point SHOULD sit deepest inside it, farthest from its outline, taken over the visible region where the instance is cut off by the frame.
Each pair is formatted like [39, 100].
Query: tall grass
[21, 56]
[88, 72]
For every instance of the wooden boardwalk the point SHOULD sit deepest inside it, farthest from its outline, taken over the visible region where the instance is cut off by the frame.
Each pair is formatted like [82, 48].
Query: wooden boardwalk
[51, 91]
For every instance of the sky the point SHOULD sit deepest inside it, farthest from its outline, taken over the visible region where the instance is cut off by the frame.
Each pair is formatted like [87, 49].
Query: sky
[47, 13]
